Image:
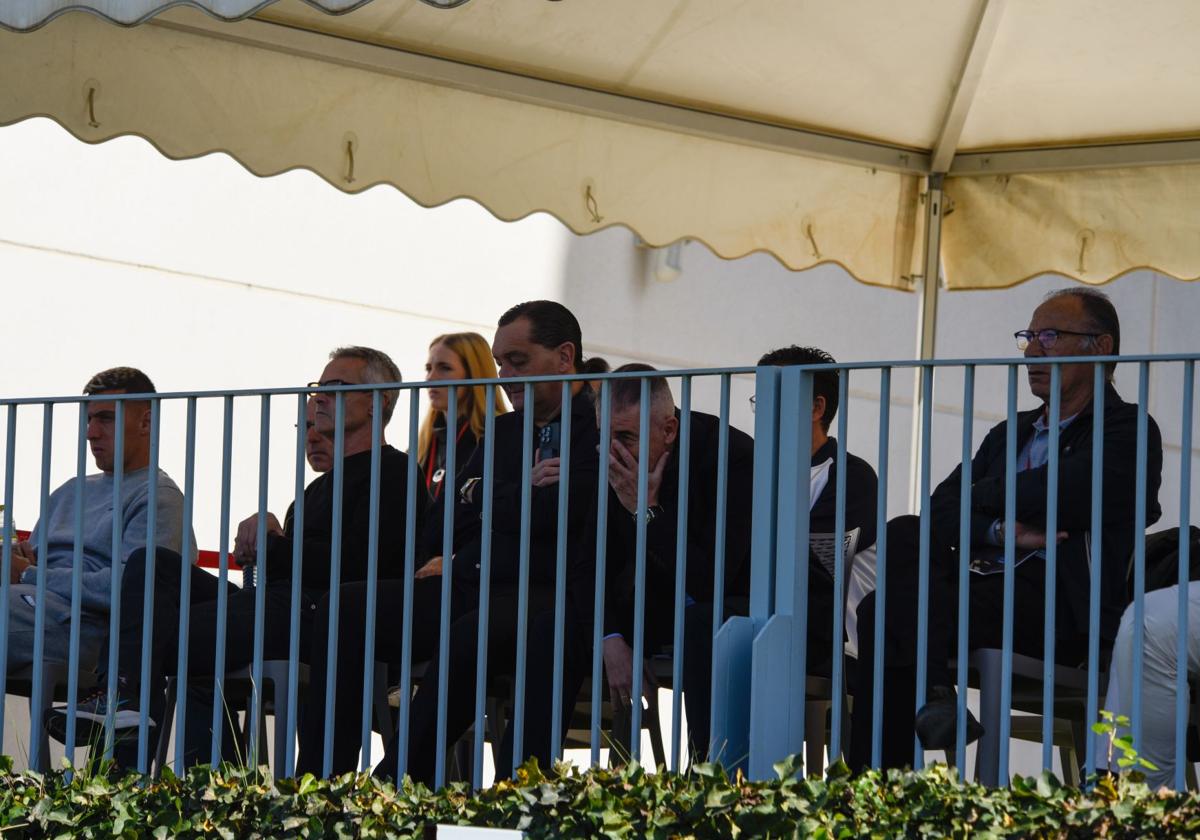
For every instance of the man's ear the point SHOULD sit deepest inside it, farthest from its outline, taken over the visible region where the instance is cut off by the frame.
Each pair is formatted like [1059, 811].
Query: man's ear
[1103, 344]
[566, 357]
[144, 422]
[671, 429]
[818, 409]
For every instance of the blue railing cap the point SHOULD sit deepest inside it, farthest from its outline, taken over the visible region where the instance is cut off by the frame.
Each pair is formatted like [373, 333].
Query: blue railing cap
[578, 377]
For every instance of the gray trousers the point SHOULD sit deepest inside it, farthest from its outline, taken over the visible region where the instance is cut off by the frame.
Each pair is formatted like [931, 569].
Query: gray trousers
[57, 632]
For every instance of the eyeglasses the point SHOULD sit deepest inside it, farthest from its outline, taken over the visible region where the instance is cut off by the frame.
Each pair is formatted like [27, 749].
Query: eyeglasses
[329, 383]
[753, 402]
[1046, 338]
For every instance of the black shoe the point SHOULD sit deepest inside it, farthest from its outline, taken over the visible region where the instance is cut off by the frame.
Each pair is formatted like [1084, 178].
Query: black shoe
[936, 722]
[91, 713]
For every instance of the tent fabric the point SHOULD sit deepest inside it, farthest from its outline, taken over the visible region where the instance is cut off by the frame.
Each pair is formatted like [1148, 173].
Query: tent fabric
[273, 112]
[1089, 226]
[1071, 73]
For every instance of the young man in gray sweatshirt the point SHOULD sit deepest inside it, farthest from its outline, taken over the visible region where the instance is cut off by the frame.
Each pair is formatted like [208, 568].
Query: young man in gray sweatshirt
[95, 496]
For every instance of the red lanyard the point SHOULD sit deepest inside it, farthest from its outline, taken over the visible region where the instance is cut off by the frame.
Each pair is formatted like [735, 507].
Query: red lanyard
[435, 487]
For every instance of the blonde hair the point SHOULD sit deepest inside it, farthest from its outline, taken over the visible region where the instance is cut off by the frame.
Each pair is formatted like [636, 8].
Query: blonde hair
[475, 354]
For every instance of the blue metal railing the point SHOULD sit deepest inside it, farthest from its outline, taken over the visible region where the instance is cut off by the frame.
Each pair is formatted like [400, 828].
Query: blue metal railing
[769, 726]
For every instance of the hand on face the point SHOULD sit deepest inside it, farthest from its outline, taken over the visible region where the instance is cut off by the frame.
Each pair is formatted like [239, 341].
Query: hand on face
[623, 476]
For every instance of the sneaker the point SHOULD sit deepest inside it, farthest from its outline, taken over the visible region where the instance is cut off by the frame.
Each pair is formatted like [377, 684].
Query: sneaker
[92, 712]
[936, 722]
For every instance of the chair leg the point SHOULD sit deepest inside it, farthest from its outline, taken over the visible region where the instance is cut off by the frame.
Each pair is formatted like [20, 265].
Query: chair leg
[987, 755]
[164, 729]
[650, 722]
[814, 736]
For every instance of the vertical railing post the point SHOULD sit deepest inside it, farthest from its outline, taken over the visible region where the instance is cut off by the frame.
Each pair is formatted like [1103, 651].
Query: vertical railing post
[260, 572]
[1010, 553]
[335, 577]
[76, 583]
[219, 712]
[185, 582]
[684, 449]
[1139, 553]
[294, 607]
[923, 557]
[518, 718]
[601, 566]
[485, 585]
[443, 672]
[1185, 546]
[148, 593]
[38, 701]
[840, 570]
[118, 565]
[6, 552]
[560, 577]
[1095, 560]
[885, 402]
[964, 566]
[1048, 639]
[410, 548]
[639, 586]
[373, 567]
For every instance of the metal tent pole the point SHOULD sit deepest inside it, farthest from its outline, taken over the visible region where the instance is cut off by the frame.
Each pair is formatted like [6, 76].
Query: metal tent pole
[926, 328]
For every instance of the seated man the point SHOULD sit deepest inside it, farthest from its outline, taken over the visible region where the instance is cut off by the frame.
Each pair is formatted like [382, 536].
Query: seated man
[1160, 668]
[662, 536]
[533, 339]
[57, 525]
[347, 366]
[1070, 322]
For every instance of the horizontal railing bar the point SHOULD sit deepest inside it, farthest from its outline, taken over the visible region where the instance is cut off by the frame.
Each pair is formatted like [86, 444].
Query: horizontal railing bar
[575, 377]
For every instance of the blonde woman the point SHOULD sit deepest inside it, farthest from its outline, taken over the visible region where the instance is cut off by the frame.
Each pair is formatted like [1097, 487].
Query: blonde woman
[452, 356]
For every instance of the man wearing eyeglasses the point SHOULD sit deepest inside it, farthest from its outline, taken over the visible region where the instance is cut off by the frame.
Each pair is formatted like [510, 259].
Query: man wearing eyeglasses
[347, 366]
[1070, 322]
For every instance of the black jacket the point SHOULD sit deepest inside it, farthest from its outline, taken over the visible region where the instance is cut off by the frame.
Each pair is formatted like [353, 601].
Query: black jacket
[862, 496]
[662, 532]
[1074, 501]
[356, 497]
[543, 519]
[430, 540]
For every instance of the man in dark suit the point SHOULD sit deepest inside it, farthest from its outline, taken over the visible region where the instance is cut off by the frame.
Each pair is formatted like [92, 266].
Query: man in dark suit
[662, 536]
[1070, 322]
[537, 338]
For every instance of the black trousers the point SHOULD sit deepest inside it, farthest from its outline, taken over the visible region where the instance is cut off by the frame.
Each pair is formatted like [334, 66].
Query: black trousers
[202, 636]
[985, 630]
[351, 667]
[459, 702]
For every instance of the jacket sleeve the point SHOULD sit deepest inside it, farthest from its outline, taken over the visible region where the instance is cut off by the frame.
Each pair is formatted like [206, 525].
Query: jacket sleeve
[1075, 478]
[944, 502]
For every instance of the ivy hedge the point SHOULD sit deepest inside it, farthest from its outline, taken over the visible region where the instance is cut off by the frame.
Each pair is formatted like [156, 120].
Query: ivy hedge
[620, 803]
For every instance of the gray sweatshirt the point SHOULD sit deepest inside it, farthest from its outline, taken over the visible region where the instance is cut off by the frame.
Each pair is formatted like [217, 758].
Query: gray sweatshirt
[58, 523]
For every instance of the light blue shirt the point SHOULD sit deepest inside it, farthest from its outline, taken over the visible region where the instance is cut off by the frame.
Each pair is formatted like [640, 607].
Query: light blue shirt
[1034, 454]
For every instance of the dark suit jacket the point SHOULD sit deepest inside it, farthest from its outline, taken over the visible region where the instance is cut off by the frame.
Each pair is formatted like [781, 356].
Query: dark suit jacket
[1074, 501]
[662, 533]
[543, 519]
[862, 496]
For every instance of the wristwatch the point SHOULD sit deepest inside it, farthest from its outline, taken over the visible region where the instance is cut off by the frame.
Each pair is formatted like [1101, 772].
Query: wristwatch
[652, 512]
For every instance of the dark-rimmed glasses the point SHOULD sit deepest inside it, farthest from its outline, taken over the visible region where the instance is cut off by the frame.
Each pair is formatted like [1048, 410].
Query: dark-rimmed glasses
[1046, 338]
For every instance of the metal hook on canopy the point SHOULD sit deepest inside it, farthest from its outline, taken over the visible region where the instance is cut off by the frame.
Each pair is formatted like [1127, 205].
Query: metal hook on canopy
[349, 161]
[91, 106]
[593, 207]
[1085, 239]
[808, 231]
